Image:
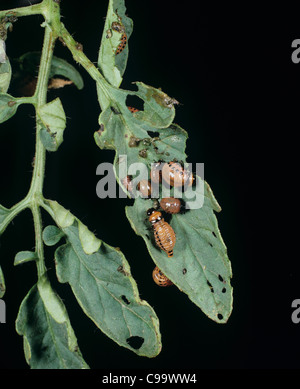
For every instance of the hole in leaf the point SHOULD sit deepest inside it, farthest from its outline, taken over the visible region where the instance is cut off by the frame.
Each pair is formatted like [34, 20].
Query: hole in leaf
[214, 234]
[153, 134]
[224, 290]
[221, 278]
[210, 285]
[126, 301]
[135, 102]
[220, 316]
[135, 342]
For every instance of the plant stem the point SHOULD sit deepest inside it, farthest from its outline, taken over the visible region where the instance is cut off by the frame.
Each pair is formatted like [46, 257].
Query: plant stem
[82, 59]
[24, 11]
[14, 211]
[35, 193]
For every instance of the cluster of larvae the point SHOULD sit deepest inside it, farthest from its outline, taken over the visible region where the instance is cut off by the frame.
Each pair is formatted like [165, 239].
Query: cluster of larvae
[175, 175]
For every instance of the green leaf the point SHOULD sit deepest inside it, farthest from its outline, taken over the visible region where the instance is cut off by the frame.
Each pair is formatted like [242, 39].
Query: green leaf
[130, 134]
[49, 340]
[112, 65]
[8, 106]
[52, 235]
[103, 286]
[24, 256]
[2, 283]
[60, 67]
[53, 119]
[200, 266]
[29, 63]
[5, 76]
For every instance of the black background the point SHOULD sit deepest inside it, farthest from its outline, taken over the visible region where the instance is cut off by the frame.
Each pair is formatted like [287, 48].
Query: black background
[231, 69]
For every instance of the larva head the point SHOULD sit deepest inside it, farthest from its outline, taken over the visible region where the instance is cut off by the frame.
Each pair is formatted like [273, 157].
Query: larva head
[154, 215]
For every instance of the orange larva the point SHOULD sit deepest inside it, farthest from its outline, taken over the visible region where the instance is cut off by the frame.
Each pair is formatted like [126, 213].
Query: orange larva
[164, 234]
[170, 205]
[132, 109]
[159, 278]
[123, 43]
[144, 187]
[175, 175]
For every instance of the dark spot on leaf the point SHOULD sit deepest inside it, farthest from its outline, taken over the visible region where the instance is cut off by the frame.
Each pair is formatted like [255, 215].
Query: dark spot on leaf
[220, 316]
[221, 278]
[143, 153]
[135, 342]
[101, 129]
[121, 269]
[184, 271]
[133, 141]
[214, 234]
[11, 103]
[115, 111]
[224, 290]
[124, 298]
[146, 141]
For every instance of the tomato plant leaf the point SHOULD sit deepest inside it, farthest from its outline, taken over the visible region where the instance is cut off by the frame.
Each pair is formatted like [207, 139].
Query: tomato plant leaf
[101, 281]
[117, 23]
[8, 106]
[132, 134]
[53, 119]
[49, 340]
[24, 256]
[52, 235]
[5, 75]
[29, 62]
[200, 266]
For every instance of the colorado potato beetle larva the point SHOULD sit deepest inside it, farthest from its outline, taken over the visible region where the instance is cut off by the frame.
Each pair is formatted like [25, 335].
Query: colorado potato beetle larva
[164, 234]
[171, 205]
[159, 278]
[175, 175]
